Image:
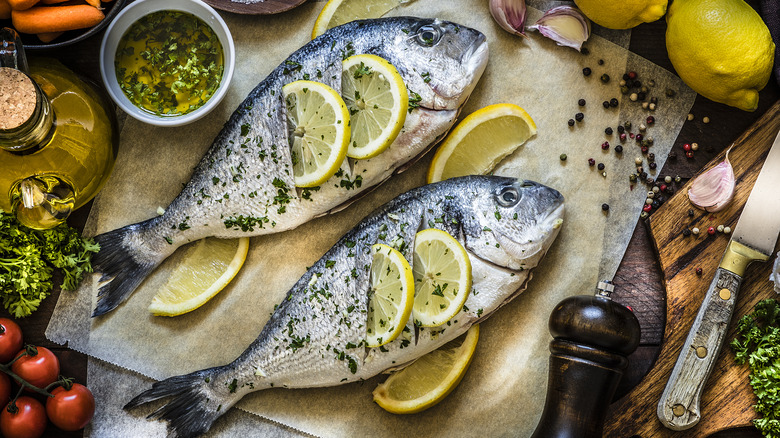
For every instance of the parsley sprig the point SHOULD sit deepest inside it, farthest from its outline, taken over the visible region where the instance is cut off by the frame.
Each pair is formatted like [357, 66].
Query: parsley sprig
[28, 258]
[758, 343]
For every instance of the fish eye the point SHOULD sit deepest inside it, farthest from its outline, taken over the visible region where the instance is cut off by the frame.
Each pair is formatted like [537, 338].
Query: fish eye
[428, 35]
[507, 196]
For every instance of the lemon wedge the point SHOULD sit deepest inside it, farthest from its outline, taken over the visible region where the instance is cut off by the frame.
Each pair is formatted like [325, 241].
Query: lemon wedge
[442, 277]
[338, 12]
[392, 294]
[319, 122]
[430, 378]
[207, 267]
[377, 100]
[481, 140]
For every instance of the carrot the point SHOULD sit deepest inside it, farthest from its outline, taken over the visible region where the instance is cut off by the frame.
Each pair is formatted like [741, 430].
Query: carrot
[51, 2]
[5, 10]
[48, 37]
[44, 19]
[20, 5]
[93, 3]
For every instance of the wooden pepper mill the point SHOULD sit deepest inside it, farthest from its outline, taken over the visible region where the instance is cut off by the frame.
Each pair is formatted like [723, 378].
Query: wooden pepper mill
[593, 337]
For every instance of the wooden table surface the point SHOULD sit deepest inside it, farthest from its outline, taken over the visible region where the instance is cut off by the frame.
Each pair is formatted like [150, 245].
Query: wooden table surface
[638, 281]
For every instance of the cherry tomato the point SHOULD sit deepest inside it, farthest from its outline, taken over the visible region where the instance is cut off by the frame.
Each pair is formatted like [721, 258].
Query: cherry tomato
[10, 340]
[28, 421]
[5, 389]
[71, 409]
[40, 370]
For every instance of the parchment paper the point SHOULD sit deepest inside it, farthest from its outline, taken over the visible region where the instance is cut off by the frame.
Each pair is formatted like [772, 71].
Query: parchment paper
[503, 392]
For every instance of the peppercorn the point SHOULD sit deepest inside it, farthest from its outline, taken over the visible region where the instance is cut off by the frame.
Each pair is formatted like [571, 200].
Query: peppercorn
[655, 190]
[695, 230]
[662, 187]
[585, 51]
[656, 204]
[651, 83]
[678, 179]
[640, 170]
[643, 175]
[605, 78]
[727, 230]
[699, 271]
[579, 116]
[591, 162]
[651, 157]
[686, 232]
[627, 125]
[623, 89]
[639, 137]
[636, 84]
[619, 149]
[642, 127]
[633, 97]
[638, 161]
[605, 207]
[652, 106]
[689, 117]
[711, 231]
[650, 120]
[653, 100]
[650, 195]
[689, 154]
[571, 122]
[661, 199]
[605, 104]
[621, 129]
[586, 71]
[608, 131]
[623, 137]
[613, 102]
[705, 119]
[694, 146]
[690, 212]
[649, 180]
[644, 215]
[720, 228]
[668, 179]
[647, 207]
[642, 95]
[645, 105]
[670, 190]
[563, 157]
[601, 62]
[605, 146]
[653, 165]
[626, 76]
[686, 147]
[600, 166]
[649, 201]
[581, 102]
[632, 177]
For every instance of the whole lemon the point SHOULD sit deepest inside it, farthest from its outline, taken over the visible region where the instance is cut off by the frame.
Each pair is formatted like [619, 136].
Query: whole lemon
[721, 49]
[622, 14]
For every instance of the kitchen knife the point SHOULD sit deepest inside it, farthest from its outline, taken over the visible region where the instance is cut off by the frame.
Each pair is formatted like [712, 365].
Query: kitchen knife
[754, 239]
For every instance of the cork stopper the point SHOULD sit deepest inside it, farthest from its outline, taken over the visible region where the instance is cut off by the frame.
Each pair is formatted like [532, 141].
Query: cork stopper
[17, 98]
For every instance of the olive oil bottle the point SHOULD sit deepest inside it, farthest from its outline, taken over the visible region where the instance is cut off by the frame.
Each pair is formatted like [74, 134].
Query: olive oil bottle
[58, 138]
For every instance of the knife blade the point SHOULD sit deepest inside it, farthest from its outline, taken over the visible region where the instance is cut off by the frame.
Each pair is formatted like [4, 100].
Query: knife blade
[753, 239]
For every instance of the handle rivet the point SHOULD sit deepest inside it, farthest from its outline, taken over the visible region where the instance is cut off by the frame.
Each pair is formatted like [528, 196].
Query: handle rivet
[701, 352]
[678, 410]
[724, 294]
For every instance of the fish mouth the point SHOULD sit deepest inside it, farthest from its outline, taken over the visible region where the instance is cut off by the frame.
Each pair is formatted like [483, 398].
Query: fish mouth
[528, 254]
[473, 62]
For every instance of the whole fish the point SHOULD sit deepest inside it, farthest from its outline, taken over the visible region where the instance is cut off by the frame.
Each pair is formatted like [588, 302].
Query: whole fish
[244, 184]
[316, 336]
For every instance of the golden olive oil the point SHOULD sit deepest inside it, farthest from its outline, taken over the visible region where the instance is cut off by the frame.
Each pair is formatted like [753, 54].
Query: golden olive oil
[169, 63]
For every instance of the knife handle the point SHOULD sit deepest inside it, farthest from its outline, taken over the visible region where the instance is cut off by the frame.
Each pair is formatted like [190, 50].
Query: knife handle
[679, 407]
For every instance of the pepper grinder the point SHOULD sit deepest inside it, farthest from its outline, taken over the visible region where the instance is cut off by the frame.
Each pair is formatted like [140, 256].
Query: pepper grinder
[593, 337]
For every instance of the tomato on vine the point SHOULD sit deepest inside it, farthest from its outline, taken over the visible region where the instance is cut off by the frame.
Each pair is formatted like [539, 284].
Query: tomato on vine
[37, 365]
[10, 339]
[24, 418]
[5, 389]
[72, 406]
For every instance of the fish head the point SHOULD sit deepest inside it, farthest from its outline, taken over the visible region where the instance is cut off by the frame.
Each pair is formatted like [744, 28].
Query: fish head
[440, 61]
[514, 222]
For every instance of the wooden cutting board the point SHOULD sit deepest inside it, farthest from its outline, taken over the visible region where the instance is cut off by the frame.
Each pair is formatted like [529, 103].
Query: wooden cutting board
[728, 399]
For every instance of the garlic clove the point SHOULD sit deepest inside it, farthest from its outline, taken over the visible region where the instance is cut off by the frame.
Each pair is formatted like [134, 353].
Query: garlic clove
[510, 15]
[566, 25]
[714, 189]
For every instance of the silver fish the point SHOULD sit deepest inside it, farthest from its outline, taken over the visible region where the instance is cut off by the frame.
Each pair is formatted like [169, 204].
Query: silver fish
[243, 186]
[316, 336]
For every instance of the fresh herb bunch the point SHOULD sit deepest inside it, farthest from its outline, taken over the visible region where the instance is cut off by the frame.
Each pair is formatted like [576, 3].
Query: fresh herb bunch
[28, 257]
[758, 344]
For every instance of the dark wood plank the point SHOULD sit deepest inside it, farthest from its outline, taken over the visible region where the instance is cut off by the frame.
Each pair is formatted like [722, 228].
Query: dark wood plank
[727, 400]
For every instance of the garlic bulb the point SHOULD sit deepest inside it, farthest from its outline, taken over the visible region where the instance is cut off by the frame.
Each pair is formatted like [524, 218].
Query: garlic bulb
[566, 25]
[510, 15]
[713, 190]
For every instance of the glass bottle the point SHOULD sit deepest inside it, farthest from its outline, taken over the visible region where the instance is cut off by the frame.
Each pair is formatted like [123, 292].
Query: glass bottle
[58, 137]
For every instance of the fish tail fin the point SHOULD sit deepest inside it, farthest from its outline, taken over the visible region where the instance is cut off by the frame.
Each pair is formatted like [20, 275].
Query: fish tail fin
[194, 407]
[122, 264]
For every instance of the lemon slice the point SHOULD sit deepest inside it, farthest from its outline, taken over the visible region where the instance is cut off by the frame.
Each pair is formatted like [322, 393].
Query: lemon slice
[481, 140]
[392, 294]
[442, 277]
[207, 267]
[430, 378]
[319, 124]
[338, 12]
[377, 100]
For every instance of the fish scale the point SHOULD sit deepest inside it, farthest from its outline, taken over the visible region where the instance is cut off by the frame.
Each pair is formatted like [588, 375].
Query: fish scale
[244, 185]
[316, 335]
